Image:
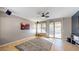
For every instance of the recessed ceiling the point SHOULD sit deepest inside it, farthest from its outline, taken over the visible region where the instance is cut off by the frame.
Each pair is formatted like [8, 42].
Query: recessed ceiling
[32, 13]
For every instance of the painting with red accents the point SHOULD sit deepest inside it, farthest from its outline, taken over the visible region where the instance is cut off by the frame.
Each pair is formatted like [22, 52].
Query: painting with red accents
[25, 26]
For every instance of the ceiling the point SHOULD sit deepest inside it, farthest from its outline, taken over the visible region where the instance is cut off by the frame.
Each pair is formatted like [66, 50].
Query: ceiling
[33, 13]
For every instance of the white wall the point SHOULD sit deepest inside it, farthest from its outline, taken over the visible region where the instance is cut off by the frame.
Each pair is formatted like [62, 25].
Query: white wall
[10, 28]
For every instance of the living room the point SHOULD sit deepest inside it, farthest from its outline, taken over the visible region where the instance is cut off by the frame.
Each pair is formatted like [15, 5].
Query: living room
[53, 24]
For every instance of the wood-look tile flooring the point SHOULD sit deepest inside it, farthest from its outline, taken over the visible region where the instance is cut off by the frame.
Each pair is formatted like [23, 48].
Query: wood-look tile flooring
[57, 45]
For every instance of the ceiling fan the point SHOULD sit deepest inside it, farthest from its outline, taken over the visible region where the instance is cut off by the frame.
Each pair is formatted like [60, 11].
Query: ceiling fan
[45, 14]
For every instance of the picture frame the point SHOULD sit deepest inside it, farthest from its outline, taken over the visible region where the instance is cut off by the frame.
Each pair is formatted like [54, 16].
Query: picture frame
[24, 26]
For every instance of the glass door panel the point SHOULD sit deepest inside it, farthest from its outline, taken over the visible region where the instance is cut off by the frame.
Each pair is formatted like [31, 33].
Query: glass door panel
[51, 29]
[57, 29]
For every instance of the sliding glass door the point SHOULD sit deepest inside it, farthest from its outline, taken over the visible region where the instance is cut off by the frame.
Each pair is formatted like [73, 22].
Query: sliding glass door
[51, 29]
[55, 29]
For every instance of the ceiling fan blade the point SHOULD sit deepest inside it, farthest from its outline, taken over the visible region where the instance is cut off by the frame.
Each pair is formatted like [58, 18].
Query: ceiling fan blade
[47, 13]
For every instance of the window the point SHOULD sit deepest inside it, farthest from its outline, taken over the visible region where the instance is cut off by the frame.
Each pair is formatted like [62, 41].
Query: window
[43, 28]
[39, 28]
